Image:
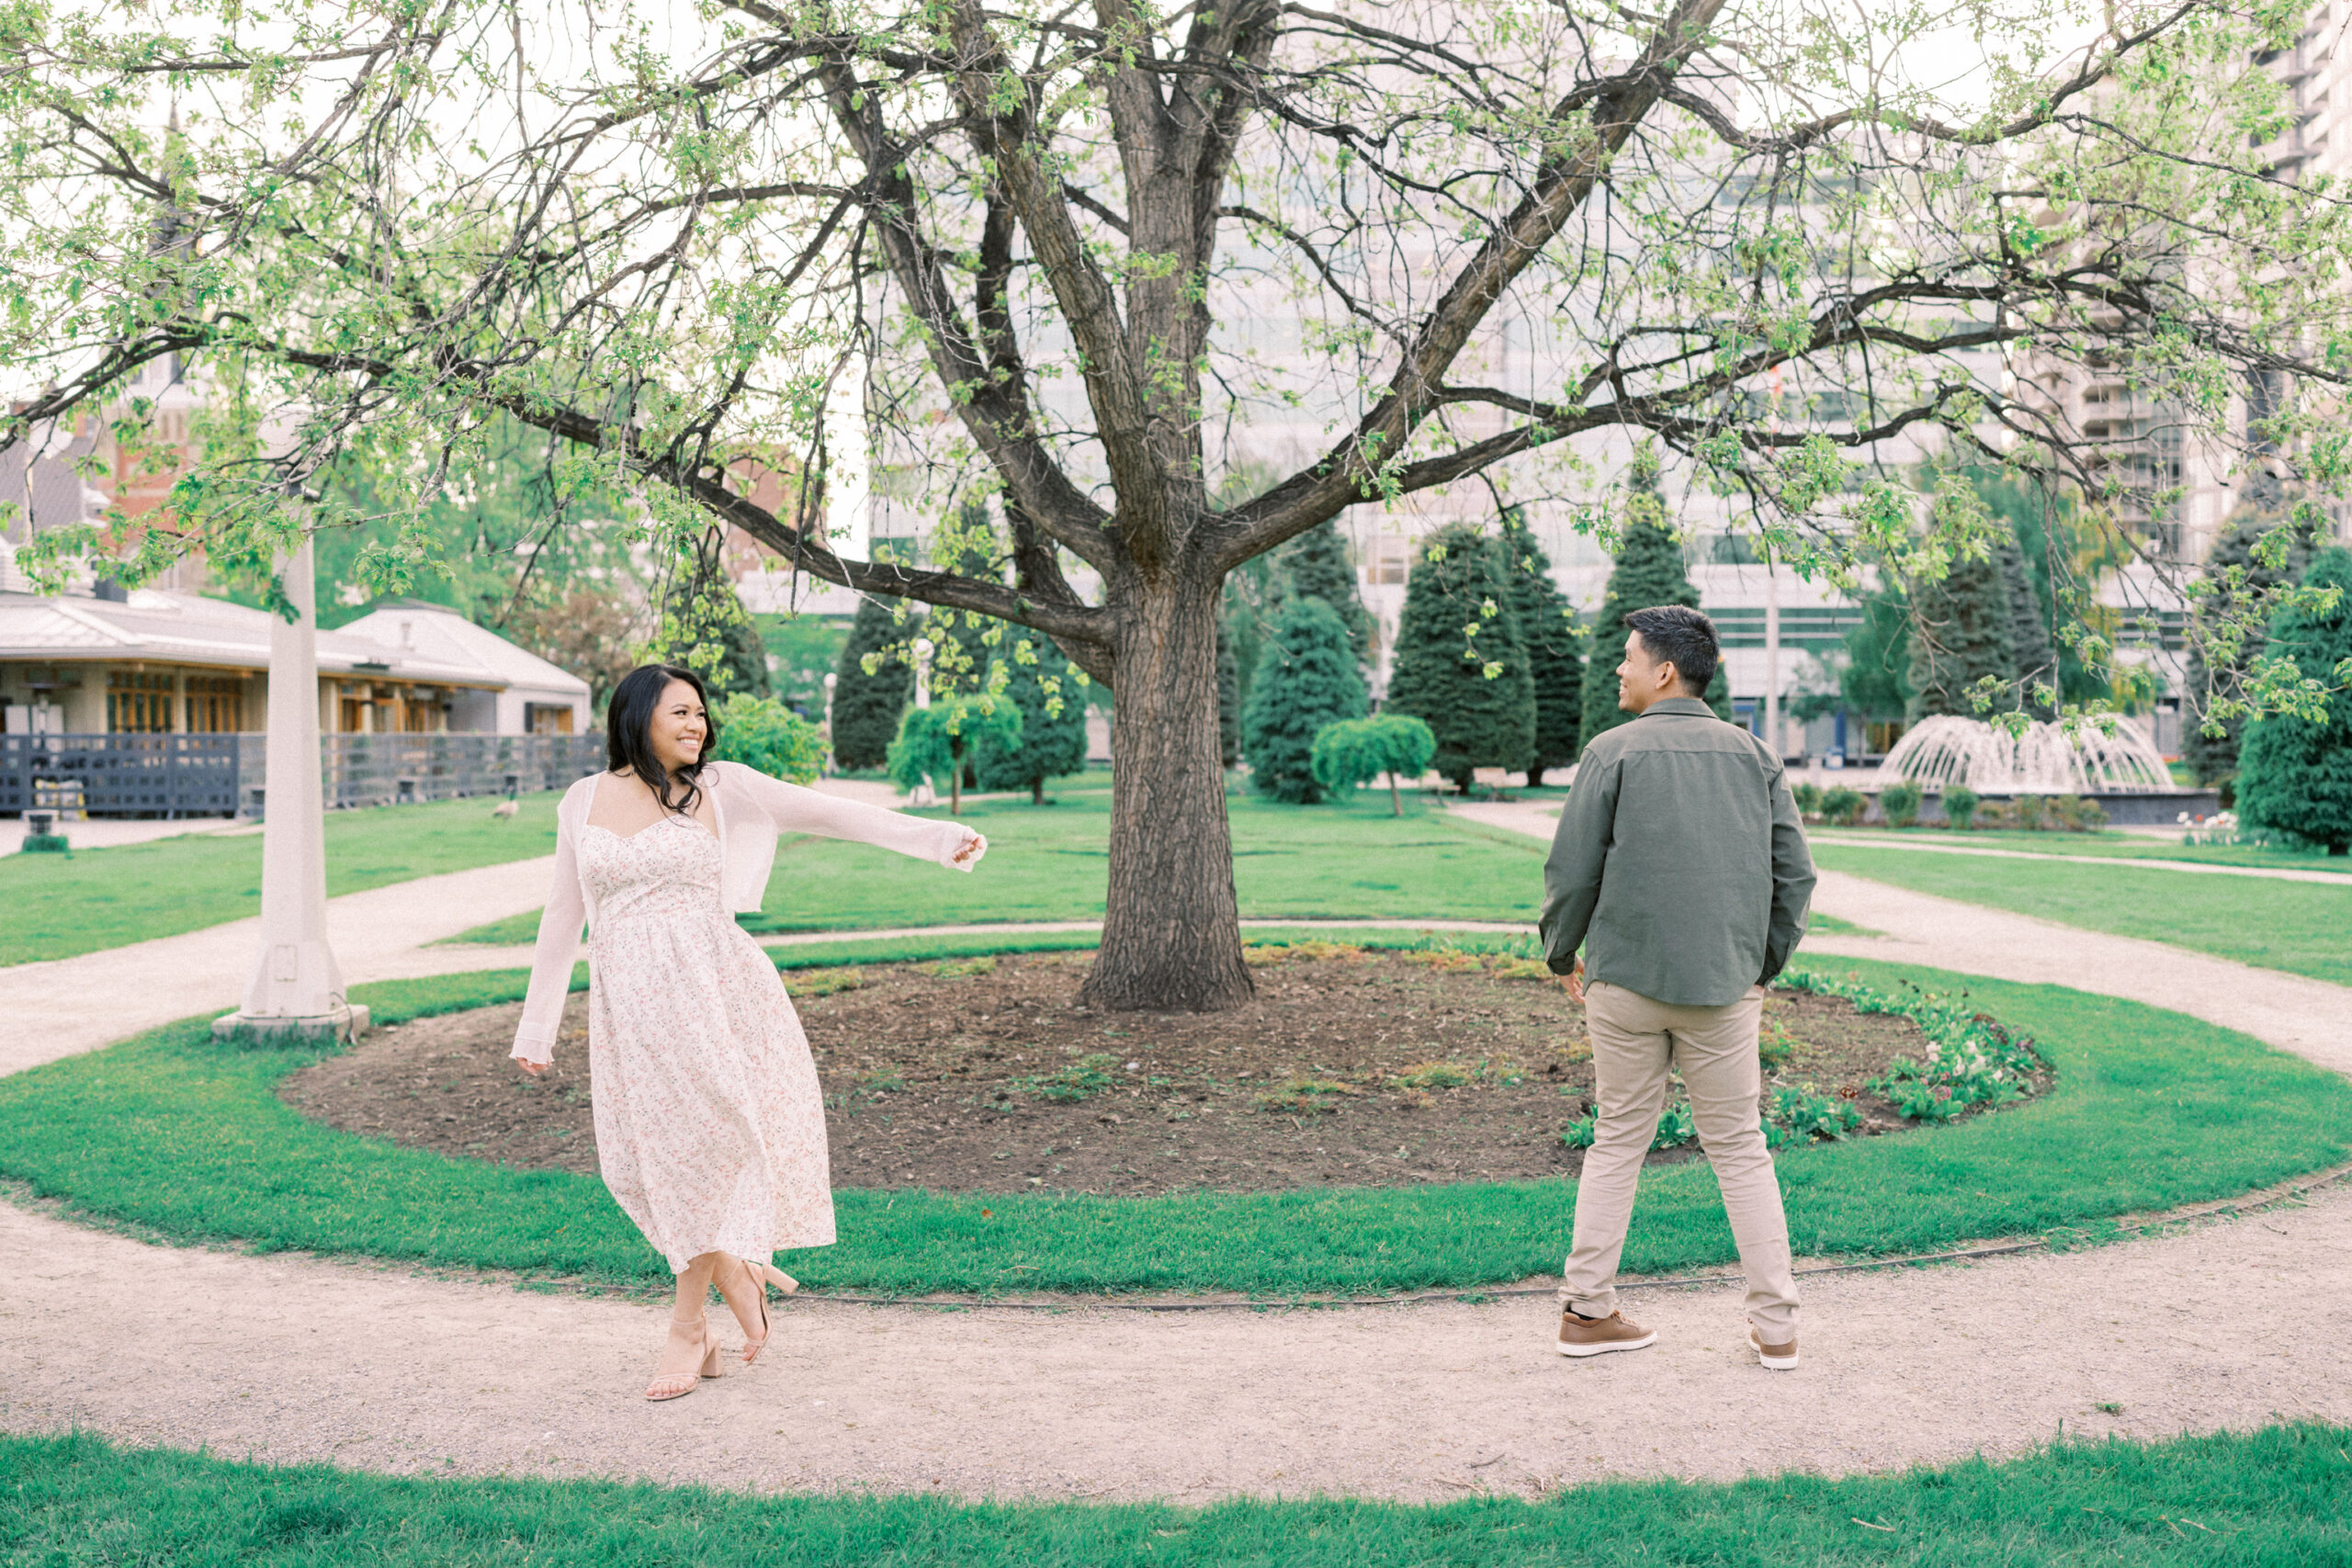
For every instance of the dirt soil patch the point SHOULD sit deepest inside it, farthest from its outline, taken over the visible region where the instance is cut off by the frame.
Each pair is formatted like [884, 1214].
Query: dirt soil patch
[1351, 1069]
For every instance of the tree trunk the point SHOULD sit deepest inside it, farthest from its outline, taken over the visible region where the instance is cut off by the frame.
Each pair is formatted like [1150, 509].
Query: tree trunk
[1396, 801]
[956, 783]
[1036, 792]
[1172, 934]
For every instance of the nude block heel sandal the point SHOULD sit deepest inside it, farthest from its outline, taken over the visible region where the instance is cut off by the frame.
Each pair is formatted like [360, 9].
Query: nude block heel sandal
[677, 1385]
[763, 1275]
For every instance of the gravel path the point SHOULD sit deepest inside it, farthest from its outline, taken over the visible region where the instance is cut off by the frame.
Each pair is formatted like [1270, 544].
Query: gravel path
[291, 1358]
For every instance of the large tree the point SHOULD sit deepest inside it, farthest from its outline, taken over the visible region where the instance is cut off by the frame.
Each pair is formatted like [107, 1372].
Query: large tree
[1085, 254]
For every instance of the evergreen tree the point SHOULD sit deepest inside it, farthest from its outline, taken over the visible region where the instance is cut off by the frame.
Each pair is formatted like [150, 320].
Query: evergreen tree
[1649, 571]
[1306, 679]
[1547, 625]
[2033, 659]
[2233, 574]
[1461, 668]
[1229, 700]
[2295, 777]
[1052, 719]
[1960, 635]
[866, 707]
[1315, 563]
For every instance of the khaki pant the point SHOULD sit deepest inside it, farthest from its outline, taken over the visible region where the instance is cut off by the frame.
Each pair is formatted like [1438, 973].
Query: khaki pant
[1634, 1040]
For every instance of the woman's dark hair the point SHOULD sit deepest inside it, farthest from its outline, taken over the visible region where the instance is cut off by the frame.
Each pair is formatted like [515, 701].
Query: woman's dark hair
[628, 724]
[1679, 636]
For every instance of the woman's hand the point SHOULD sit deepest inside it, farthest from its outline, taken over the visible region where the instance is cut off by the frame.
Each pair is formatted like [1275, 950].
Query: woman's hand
[971, 850]
[534, 1068]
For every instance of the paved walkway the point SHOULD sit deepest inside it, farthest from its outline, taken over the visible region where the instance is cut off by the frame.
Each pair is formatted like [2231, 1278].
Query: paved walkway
[2194, 867]
[1540, 819]
[297, 1359]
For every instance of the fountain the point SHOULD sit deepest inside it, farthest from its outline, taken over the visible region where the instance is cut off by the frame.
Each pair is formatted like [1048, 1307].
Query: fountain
[2122, 771]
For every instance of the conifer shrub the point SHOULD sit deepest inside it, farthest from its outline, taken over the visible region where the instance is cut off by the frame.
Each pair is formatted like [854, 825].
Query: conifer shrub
[1316, 566]
[1548, 625]
[1960, 807]
[1306, 679]
[2294, 771]
[2260, 551]
[1649, 571]
[1900, 802]
[1461, 667]
[874, 685]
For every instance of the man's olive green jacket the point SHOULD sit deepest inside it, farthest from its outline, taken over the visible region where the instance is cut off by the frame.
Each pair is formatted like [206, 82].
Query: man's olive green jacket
[1680, 866]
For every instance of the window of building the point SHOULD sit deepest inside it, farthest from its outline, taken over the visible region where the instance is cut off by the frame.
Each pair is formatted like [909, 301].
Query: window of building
[547, 718]
[139, 701]
[216, 705]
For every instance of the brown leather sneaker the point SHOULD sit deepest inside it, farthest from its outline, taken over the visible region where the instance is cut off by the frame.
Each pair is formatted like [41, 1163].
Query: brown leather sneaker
[1775, 1357]
[1599, 1336]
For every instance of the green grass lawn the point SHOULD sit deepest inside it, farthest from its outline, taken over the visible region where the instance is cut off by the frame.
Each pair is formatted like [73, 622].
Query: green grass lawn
[1349, 861]
[2109, 846]
[2270, 1496]
[2304, 927]
[179, 1135]
[57, 906]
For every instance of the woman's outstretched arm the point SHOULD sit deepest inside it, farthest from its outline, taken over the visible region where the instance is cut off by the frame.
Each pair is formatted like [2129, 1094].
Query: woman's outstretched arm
[558, 951]
[792, 809]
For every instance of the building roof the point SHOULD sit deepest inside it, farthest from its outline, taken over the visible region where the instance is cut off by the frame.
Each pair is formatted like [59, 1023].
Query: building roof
[437, 632]
[183, 628]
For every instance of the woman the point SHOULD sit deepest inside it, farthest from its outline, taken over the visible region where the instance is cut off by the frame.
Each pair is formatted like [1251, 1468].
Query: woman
[710, 1127]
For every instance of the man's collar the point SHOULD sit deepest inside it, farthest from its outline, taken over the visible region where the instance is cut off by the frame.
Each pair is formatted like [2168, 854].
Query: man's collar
[1695, 706]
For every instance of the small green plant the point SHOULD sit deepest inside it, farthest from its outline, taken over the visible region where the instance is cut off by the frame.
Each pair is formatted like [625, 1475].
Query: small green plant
[1843, 806]
[1773, 1046]
[2029, 810]
[1800, 1113]
[1676, 1128]
[1089, 1075]
[1808, 797]
[960, 968]
[1901, 805]
[1435, 1074]
[1580, 1133]
[1960, 807]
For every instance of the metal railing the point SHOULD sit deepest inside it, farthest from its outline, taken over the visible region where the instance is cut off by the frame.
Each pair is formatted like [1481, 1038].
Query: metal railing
[223, 776]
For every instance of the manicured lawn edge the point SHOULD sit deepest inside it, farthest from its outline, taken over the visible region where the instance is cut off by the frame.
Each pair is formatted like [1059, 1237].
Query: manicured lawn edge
[182, 1136]
[2271, 1495]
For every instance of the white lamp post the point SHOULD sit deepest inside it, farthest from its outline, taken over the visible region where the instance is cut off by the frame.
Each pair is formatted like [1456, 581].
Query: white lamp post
[297, 989]
[922, 794]
[831, 681]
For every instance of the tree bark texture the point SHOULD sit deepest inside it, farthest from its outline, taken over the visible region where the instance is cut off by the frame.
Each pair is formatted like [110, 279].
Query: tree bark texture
[1171, 938]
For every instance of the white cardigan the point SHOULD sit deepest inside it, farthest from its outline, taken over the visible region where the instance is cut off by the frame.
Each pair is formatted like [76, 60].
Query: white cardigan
[751, 809]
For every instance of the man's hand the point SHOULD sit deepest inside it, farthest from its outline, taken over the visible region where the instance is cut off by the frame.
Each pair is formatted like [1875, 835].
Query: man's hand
[1573, 983]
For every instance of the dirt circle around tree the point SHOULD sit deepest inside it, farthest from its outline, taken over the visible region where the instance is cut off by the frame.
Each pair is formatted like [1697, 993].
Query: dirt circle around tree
[1353, 1067]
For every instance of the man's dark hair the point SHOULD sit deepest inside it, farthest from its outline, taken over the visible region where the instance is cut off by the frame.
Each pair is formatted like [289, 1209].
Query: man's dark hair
[1679, 636]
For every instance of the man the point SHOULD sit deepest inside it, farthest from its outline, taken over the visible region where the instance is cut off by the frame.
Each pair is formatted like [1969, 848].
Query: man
[1680, 868]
